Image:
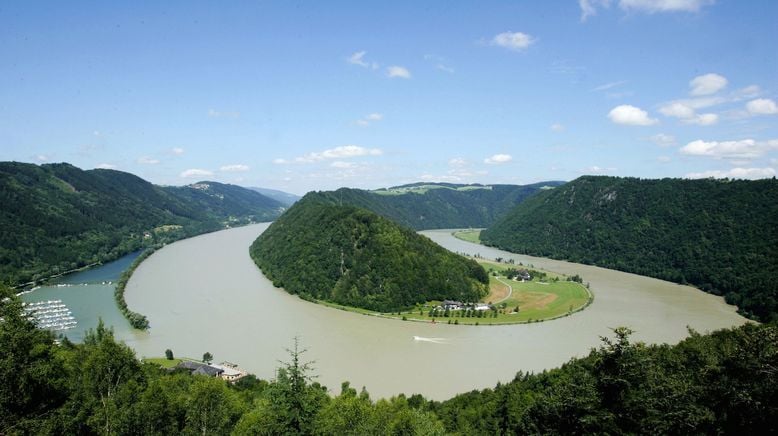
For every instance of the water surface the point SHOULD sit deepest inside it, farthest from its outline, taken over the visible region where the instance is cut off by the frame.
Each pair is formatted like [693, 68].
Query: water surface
[205, 294]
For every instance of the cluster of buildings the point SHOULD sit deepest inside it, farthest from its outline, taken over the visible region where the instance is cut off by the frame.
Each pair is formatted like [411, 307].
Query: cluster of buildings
[225, 370]
[457, 305]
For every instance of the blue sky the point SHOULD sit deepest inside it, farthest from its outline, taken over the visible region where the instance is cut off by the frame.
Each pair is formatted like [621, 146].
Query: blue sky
[311, 95]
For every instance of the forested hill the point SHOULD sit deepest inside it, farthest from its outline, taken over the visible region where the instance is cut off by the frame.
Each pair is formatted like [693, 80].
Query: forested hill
[58, 217]
[438, 205]
[719, 235]
[355, 257]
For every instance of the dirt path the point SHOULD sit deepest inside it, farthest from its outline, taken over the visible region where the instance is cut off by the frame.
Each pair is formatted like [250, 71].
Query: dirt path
[510, 291]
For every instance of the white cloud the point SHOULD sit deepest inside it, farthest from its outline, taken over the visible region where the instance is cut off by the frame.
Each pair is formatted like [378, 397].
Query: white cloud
[369, 118]
[446, 68]
[234, 168]
[589, 7]
[196, 172]
[707, 84]
[735, 173]
[178, 151]
[677, 109]
[342, 152]
[41, 158]
[398, 71]
[631, 116]
[663, 140]
[702, 119]
[610, 85]
[651, 6]
[741, 149]
[598, 170]
[498, 159]
[105, 166]
[513, 40]
[663, 159]
[343, 165]
[750, 91]
[145, 160]
[762, 106]
[457, 162]
[356, 59]
[557, 127]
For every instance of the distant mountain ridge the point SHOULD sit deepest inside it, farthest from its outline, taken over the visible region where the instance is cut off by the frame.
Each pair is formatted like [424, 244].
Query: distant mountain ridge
[282, 197]
[56, 217]
[355, 257]
[423, 205]
[719, 235]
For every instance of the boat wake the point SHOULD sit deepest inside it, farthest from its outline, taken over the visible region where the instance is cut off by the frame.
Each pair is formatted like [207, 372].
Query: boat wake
[433, 340]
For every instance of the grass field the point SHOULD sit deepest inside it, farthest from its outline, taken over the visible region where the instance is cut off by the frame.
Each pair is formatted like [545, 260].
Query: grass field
[537, 301]
[161, 361]
[473, 236]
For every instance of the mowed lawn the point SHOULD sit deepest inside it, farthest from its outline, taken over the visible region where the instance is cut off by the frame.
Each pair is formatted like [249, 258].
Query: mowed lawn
[541, 300]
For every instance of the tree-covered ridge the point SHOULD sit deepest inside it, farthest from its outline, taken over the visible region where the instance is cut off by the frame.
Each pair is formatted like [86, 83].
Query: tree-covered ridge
[719, 235]
[58, 217]
[720, 383]
[451, 206]
[354, 257]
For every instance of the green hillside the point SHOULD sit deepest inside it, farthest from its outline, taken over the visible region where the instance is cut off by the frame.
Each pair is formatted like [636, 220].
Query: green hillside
[719, 235]
[58, 217]
[438, 205]
[354, 257]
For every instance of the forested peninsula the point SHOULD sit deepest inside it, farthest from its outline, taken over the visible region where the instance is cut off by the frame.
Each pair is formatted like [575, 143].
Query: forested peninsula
[57, 217]
[718, 235]
[354, 257]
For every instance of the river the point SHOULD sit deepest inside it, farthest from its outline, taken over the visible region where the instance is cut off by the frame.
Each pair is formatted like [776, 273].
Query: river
[205, 294]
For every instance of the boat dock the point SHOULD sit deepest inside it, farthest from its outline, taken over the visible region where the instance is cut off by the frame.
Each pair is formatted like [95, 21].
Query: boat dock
[51, 314]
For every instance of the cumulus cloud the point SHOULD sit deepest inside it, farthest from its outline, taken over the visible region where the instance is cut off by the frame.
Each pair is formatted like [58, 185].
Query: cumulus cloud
[342, 152]
[735, 173]
[195, 172]
[662, 139]
[498, 159]
[234, 168]
[513, 40]
[762, 106]
[652, 6]
[631, 116]
[145, 160]
[343, 165]
[589, 7]
[598, 170]
[707, 84]
[741, 149]
[41, 158]
[398, 71]
[457, 162]
[677, 110]
[178, 151]
[369, 118]
[105, 166]
[702, 119]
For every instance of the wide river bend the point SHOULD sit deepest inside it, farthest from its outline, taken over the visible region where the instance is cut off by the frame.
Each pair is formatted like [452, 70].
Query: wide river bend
[205, 294]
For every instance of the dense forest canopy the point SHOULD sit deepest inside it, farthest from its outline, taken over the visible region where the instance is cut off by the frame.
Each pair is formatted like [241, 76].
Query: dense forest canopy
[57, 217]
[423, 206]
[355, 257]
[720, 383]
[719, 235]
